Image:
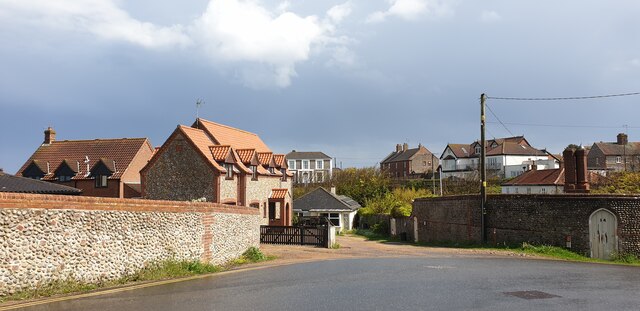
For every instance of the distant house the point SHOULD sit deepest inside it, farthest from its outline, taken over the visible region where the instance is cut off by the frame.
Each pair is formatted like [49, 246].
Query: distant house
[218, 163]
[339, 209]
[309, 166]
[536, 181]
[99, 167]
[622, 155]
[506, 158]
[405, 162]
[10, 183]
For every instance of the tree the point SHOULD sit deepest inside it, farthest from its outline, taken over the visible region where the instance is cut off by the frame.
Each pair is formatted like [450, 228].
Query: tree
[362, 183]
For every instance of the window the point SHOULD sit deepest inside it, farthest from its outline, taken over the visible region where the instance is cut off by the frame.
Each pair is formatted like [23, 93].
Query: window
[478, 149]
[254, 172]
[543, 190]
[229, 168]
[424, 163]
[319, 164]
[305, 164]
[284, 174]
[101, 181]
[64, 178]
[528, 190]
[319, 177]
[618, 159]
[334, 218]
[271, 170]
[292, 164]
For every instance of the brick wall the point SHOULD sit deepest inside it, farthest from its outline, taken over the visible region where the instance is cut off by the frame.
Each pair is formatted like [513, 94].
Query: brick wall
[538, 219]
[45, 238]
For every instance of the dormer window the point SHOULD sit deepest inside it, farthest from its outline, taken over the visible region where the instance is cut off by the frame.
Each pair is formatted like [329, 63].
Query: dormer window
[101, 181]
[284, 174]
[254, 172]
[35, 170]
[229, 168]
[271, 170]
[478, 149]
[66, 171]
[64, 178]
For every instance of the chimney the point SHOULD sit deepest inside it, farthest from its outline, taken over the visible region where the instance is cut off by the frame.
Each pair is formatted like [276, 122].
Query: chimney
[398, 148]
[50, 136]
[582, 185]
[622, 139]
[405, 147]
[534, 166]
[333, 190]
[569, 170]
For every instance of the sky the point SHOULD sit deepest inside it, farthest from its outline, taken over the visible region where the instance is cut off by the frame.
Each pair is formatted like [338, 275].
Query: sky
[349, 78]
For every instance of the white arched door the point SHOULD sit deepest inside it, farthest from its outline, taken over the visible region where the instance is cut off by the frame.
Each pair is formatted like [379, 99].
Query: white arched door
[603, 228]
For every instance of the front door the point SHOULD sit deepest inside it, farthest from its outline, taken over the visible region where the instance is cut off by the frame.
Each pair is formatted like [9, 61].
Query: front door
[602, 234]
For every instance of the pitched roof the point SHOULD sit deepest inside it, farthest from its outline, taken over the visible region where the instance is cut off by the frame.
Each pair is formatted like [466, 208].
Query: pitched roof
[610, 149]
[461, 150]
[513, 139]
[121, 151]
[306, 155]
[404, 155]
[220, 153]
[226, 135]
[279, 159]
[10, 183]
[320, 199]
[265, 157]
[510, 148]
[539, 178]
[246, 155]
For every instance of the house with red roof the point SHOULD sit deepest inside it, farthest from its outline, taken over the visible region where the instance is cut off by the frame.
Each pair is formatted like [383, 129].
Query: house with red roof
[213, 162]
[621, 155]
[407, 162]
[98, 167]
[506, 158]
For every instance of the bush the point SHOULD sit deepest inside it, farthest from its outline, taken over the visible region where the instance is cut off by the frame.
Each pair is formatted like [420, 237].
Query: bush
[253, 254]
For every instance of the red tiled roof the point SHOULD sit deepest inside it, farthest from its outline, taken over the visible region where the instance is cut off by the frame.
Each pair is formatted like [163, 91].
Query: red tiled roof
[236, 138]
[220, 153]
[246, 155]
[279, 159]
[239, 163]
[265, 157]
[121, 151]
[509, 148]
[202, 142]
[278, 193]
[461, 150]
[539, 177]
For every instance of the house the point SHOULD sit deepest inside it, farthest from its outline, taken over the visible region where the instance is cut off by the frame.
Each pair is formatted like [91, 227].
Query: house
[621, 155]
[310, 166]
[213, 162]
[339, 209]
[10, 183]
[99, 167]
[506, 158]
[571, 177]
[405, 162]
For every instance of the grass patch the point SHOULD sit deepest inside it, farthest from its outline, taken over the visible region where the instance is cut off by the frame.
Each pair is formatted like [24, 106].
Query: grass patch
[373, 236]
[166, 269]
[335, 246]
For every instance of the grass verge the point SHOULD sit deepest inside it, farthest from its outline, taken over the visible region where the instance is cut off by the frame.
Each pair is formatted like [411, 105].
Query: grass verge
[525, 248]
[161, 270]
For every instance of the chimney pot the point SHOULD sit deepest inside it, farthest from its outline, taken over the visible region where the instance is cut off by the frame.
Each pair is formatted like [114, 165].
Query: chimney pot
[405, 147]
[398, 148]
[623, 139]
[333, 190]
[49, 135]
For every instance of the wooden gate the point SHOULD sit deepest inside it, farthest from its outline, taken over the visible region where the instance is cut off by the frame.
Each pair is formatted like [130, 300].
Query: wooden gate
[603, 227]
[318, 236]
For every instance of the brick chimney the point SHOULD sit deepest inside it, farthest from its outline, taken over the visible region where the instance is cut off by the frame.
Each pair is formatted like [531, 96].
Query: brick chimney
[582, 185]
[49, 136]
[622, 139]
[405, 147]
[534, 166]
[569, 170]
[398, 148]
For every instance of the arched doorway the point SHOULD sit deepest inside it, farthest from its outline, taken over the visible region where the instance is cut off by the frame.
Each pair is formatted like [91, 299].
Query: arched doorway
[603, 228]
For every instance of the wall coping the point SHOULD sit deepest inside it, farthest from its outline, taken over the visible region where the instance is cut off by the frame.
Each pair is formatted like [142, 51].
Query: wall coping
[564, 196]
[48, 201]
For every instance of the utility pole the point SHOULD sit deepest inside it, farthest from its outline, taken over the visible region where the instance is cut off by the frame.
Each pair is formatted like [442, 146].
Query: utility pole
[483, 170]
[433, 177]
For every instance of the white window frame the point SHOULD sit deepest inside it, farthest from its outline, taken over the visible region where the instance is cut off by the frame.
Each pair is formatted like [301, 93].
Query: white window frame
[319, 164]
[332, 216]
[292, 164]
[618, 159]
[305, 167]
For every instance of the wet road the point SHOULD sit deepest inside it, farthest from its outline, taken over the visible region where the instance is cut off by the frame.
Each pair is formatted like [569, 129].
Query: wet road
[407, 283]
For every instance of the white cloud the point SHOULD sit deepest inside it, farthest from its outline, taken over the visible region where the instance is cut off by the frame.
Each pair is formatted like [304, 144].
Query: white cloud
[490, 16]
[339, 12]
[412, 10]
[100, 17]
[262, 46]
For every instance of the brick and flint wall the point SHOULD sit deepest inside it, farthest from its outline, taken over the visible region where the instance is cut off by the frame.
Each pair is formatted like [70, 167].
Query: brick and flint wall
[536, 219]
[44, 238]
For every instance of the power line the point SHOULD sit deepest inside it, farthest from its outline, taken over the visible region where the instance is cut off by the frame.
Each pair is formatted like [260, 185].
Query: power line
[564, 125]
[505, 127]
[563, 98]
